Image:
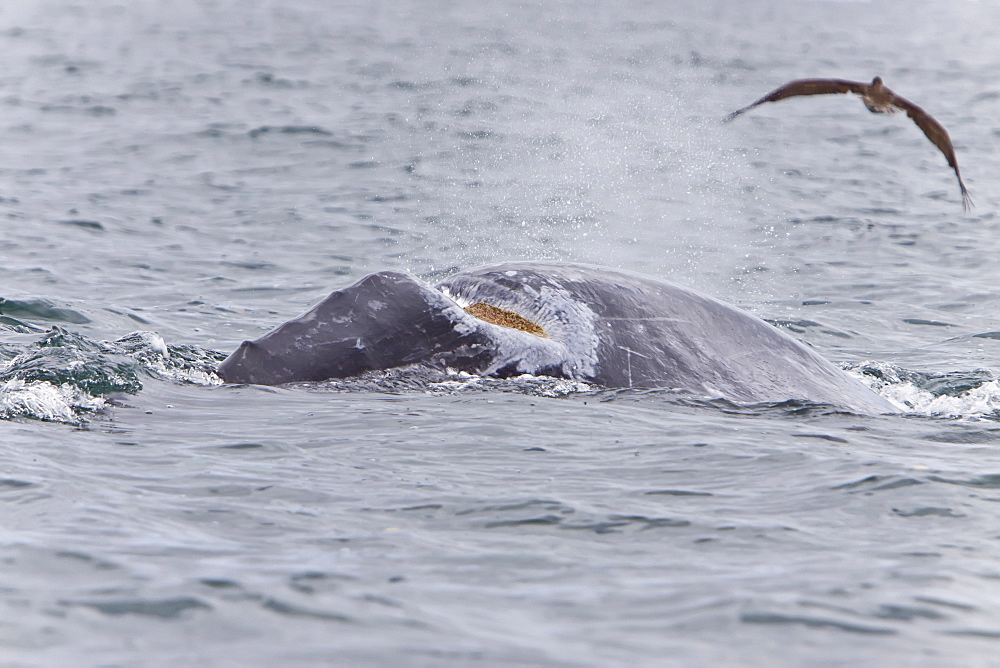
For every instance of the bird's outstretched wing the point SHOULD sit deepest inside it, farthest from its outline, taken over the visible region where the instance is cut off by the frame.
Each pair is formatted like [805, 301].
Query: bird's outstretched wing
[938, 136]
[805, 87]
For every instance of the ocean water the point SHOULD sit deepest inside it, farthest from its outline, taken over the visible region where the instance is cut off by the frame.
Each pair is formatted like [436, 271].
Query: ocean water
[178, 177]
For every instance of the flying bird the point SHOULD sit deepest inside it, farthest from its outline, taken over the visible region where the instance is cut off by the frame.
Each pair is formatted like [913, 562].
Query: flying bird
[880, 100]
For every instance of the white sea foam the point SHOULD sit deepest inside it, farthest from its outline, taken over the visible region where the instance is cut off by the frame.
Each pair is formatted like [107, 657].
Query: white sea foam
[980, 401]
[152, 352]
[542, 386]
[42, 400]
[162, 367]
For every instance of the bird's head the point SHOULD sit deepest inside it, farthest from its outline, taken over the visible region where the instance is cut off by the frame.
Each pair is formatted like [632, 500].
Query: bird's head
[877, 82]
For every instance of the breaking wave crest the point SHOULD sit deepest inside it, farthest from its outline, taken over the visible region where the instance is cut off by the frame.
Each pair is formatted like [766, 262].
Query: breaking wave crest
[973, 394]
[41, 400]
[62, 376]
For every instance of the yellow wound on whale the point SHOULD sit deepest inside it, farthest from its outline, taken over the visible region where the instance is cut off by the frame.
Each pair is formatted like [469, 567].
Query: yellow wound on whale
[504, 318]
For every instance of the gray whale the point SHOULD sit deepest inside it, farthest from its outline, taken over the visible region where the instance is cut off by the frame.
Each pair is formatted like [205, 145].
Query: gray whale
[609, 327]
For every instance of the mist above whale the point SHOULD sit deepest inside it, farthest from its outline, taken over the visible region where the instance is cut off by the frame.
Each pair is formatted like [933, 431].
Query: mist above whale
[609, 327]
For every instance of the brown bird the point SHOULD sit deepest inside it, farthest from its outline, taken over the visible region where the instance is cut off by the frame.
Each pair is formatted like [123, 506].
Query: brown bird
[879, 100]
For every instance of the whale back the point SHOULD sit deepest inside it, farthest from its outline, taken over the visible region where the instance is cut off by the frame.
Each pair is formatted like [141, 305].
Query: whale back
[385, 320]
[609, 327]
[652, 333]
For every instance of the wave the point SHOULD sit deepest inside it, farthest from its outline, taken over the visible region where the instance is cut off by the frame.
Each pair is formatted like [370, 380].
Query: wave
[972, 394]
[63, 376]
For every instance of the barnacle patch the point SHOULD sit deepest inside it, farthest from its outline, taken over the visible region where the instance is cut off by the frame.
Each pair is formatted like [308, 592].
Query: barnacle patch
[504, 318]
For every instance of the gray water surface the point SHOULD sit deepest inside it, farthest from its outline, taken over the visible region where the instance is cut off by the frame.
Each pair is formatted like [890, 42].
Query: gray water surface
[205, 171]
